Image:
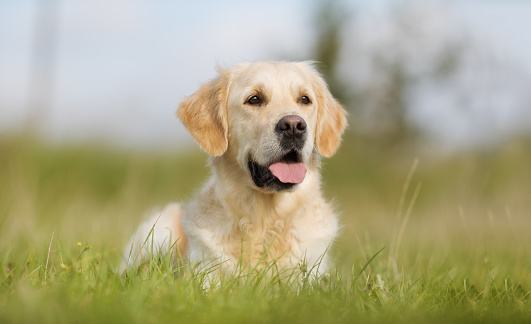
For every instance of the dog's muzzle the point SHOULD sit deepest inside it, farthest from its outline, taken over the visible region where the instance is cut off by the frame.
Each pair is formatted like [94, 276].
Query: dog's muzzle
[287, 170]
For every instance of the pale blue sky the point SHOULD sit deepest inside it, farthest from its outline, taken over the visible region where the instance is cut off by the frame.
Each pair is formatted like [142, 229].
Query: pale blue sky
[123, 66]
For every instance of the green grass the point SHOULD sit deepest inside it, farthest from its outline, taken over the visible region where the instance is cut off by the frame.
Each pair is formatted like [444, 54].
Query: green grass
[454, 240]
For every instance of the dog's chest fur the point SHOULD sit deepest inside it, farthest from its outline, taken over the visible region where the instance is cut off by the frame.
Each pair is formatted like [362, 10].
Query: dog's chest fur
[243, 226]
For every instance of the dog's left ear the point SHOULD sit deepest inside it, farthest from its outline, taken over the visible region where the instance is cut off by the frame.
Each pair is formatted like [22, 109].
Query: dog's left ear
[331, 120]
[204, 114]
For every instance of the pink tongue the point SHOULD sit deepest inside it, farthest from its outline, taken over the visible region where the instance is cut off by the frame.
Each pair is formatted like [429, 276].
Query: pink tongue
[288, 172]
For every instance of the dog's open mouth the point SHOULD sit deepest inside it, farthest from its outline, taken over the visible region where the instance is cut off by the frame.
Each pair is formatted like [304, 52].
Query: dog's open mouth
[279, 175]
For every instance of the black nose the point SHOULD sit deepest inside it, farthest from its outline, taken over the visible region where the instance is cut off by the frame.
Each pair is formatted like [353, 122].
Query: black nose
[291, 126]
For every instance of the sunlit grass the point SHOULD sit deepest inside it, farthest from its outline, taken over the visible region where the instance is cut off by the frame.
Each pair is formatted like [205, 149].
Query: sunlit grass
[453, 240]
[78, 283]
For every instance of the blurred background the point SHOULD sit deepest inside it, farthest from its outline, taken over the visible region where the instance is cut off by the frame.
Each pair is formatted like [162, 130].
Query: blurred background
[438, 152]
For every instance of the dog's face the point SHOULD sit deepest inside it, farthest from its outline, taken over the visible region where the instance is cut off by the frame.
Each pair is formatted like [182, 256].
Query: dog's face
[272, 118]
[266, 118]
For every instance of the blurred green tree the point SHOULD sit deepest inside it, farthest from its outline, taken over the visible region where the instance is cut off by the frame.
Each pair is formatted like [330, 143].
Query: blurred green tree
[380, 104]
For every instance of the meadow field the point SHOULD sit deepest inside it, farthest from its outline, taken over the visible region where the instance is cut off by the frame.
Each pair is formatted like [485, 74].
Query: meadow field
[425, 238]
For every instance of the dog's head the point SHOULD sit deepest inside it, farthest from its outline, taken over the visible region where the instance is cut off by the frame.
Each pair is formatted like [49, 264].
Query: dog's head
[267, 118]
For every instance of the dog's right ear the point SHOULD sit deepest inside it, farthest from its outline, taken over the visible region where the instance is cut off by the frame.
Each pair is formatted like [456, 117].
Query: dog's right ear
[204, 114]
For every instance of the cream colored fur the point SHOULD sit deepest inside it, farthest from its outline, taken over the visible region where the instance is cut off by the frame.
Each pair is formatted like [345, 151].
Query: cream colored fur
[232, 220]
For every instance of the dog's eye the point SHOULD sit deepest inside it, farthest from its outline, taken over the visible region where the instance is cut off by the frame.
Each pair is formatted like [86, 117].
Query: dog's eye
[254, 101]
[305, 100]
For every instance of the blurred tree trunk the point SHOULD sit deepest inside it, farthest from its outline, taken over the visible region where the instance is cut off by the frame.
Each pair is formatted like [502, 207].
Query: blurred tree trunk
[331, 17]
[43, 62]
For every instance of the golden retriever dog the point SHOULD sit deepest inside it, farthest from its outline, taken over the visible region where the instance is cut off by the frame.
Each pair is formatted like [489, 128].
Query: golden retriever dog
[266, 126]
